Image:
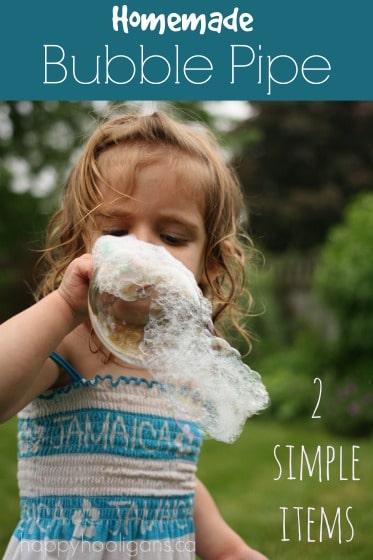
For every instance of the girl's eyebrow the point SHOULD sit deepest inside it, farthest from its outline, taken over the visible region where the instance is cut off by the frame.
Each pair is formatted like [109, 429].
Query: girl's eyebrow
[179, 220]
[113, 214]
[165, 218]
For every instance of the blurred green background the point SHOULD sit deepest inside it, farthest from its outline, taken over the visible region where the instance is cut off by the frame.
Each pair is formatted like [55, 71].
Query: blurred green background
[307, 173]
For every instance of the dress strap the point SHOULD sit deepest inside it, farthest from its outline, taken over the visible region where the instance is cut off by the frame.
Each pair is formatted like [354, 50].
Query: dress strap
[66, 366]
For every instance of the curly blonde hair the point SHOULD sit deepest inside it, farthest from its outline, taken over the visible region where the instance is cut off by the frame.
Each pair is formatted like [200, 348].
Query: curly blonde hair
[224, 209]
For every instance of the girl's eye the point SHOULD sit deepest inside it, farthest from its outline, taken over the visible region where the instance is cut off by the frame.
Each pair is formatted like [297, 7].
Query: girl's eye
[173, 239]
[115, 232]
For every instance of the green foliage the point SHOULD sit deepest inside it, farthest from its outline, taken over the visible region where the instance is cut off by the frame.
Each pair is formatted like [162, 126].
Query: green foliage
[288, 374]
[20, 227]
[37, 140]
[344, 281]
[262, 316]
[347, 406]
[344, 278]
[300, 166]
[267, 322]
[285, 350]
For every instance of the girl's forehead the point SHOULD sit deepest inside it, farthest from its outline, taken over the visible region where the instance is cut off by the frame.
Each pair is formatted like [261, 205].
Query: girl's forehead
[121, 165]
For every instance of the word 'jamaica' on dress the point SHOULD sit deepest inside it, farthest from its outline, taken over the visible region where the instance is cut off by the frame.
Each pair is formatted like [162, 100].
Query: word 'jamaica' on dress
[105, 471]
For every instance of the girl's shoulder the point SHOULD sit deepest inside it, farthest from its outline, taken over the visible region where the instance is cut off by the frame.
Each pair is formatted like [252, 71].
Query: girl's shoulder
[80, 350]
[71, 356]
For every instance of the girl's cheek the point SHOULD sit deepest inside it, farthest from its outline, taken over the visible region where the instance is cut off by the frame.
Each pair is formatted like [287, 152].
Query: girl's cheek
[89, 240]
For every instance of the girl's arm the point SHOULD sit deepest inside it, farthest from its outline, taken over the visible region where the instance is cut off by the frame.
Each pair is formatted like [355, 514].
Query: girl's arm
[215, 540]
[27, 339]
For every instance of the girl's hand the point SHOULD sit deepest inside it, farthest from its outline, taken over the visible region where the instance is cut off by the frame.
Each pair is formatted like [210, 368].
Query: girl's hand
[75, 285]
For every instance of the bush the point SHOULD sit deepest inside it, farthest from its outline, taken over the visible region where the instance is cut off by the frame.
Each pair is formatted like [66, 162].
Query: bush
[344, 281]
[288, 375]
[344, 277]
[347, 405]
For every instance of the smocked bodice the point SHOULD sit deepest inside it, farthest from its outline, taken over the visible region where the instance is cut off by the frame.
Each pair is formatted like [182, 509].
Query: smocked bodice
[106, 460]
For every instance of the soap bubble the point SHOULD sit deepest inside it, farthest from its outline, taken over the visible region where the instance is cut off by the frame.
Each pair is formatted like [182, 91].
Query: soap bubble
[130, 279]
[147, 309]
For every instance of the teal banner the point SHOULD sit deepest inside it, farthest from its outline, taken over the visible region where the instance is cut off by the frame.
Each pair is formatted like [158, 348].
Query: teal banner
[253, 49]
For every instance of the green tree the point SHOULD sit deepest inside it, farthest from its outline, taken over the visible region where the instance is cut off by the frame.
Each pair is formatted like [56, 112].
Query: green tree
[344, 278]
[300, 164]
[344, 281]
[37, 141]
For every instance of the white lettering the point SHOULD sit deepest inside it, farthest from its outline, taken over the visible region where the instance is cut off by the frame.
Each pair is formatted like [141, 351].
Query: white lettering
[215, 22]
[58, 63]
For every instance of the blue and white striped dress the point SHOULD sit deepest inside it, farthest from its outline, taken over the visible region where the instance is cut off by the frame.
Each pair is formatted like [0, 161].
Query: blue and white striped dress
[105, 472]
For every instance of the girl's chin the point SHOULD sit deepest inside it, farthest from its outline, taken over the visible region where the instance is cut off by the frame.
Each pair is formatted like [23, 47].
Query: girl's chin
[134, 313]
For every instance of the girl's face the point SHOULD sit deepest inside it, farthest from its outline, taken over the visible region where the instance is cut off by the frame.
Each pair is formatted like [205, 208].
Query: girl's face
[161, 209]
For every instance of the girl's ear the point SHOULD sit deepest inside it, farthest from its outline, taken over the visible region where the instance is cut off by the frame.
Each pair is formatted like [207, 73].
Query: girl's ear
[214, 263]
[217, 261]
[213, 269]
[209, 274]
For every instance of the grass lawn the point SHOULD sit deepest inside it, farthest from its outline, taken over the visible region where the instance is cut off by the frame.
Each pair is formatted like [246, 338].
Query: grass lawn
[241, 478]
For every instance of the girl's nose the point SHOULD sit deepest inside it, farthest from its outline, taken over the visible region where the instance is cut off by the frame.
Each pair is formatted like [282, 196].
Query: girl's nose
[144, 233]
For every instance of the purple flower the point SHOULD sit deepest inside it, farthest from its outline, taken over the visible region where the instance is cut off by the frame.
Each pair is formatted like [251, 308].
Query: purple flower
[353, 409]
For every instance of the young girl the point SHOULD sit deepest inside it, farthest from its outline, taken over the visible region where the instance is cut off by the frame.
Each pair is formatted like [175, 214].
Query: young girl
[104, 469]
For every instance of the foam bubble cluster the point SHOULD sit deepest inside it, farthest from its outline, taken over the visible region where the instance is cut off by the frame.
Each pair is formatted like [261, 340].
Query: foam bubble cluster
[147, 309]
